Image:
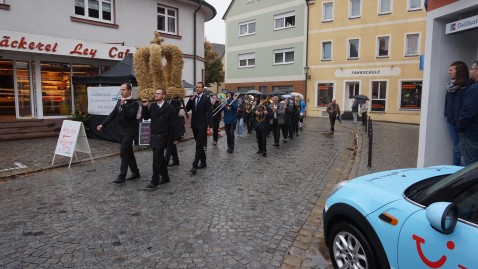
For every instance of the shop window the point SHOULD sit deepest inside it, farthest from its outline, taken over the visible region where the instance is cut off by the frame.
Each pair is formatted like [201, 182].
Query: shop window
[247, 60]
[167, 20]
[355, 8]
[80, 90]
[286, 20]
[379, 96]
[55, 88]
[101, 10]
[383, 43]
[411, 45]
[327, 51]
[7, 94]
[353, 49]
[384, 6]
[247, 28]
[411, 95]
[328, 12]
[325, 92]
[285, 56]
[24, 73]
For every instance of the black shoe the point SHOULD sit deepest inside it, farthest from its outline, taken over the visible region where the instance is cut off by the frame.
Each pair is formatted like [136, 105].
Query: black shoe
[164, 181]
[134, 176]
[297, 134]
[119, 180]
[174, 163]
[259, 152]
[151, 185]
[230, 150]
[276, 145]
[202, 165]
[301, 128]
[264, 154]
[193, 170]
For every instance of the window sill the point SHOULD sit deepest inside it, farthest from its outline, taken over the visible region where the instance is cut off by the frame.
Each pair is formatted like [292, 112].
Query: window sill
[383, 57]
[385, 13]
[354, 18]
[415, 9]
[173, 36]
[411, 55]
[5, 6]
[247, 34]
[326, 21]
[251, 66]
[282, 28]
[353, 59]
[275, 64]
[326, 60]
[92, 22]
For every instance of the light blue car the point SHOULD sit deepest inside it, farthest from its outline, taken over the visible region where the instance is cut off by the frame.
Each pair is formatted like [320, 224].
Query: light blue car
[408, 219]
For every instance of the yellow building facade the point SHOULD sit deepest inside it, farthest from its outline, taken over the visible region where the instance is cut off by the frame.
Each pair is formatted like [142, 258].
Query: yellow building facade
[367, 47]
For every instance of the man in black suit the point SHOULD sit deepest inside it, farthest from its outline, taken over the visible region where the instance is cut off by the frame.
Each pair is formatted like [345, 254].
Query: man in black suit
[164, 131]
[125, 113]
[201, 119]
[171, 150]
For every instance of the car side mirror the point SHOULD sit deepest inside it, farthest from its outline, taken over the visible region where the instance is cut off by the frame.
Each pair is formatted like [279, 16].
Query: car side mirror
[442, 216]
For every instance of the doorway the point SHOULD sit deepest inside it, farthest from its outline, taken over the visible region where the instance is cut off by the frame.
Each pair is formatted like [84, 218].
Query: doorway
[352, 88]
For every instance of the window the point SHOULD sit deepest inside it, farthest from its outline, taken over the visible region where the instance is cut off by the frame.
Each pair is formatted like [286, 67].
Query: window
[287, 89]
[4, 5]
[247, 60]
[285, 56]
[414, 4]
[328, 12]
[354, 8]
[325, 93]
[247, 28]
[167, 20]
[379, 95]
[353, 49]
[353, 88]
[382, 46]
[94, 9]
[286, 20]
[327, 51]
[411, 45]
[411, 95]
[263, 89]
[384, 6]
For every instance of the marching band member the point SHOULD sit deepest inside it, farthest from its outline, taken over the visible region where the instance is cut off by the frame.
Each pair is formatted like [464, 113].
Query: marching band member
[275, 120]
[263, 114]
[230, 120]
[216, 118]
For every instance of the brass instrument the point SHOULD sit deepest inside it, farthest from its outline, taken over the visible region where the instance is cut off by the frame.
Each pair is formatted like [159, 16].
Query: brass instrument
[249, 103]
[262, 108]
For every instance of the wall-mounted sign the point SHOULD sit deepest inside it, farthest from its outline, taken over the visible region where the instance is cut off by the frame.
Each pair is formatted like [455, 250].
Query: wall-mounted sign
[24, 42]
[102, 100]
[368, 72]
[462, 25]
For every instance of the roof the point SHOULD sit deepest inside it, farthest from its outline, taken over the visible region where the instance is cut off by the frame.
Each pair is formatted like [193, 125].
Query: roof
[228, 9]
[219, 49]
[211, 13]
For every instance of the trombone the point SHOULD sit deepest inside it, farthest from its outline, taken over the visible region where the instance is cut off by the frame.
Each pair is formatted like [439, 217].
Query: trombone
[218, 109]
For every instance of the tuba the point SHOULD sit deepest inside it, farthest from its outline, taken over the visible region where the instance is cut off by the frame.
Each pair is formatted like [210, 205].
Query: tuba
[262, 107]
[249, 103]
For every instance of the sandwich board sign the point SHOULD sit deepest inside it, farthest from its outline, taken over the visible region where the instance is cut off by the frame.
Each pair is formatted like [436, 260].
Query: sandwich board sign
[72, 138]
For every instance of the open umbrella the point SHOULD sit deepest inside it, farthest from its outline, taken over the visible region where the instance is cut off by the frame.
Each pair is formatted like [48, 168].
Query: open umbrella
[277, 92]
[286, 96]
[253, 92]
[293, 94]
[361, 97]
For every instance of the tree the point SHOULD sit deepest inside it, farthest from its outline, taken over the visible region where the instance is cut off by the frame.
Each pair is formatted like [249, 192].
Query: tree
[214, 72]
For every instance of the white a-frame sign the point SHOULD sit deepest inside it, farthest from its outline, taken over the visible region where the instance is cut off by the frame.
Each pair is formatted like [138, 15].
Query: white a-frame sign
[72, 139]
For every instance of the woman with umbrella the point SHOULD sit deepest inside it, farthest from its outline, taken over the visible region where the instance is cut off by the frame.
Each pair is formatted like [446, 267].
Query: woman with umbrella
[362, 100]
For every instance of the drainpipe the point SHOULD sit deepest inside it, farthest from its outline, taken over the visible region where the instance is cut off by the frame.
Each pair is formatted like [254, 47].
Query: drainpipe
[195, 40]
[306, 51]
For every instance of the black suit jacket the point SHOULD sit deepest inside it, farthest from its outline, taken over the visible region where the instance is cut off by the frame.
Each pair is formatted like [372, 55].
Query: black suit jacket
[202, 114]
[164, 124]
[126, 117]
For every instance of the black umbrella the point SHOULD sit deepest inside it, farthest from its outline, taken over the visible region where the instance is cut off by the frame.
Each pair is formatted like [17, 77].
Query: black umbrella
[361, 97]
[277, 92]
[253, 92]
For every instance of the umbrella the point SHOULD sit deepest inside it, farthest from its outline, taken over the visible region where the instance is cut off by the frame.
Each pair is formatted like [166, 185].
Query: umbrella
[297, 94]
[253, 92]
[361, 97]
[286, 96]
[277, 92]
[208, 91]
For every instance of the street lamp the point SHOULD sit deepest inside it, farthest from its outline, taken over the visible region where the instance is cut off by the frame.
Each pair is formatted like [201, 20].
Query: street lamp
[306, 72]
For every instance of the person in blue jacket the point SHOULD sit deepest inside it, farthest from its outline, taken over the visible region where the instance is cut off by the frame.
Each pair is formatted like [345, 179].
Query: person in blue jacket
[230, 120]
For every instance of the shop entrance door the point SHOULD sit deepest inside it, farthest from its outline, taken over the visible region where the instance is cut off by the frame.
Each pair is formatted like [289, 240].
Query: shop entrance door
[351, 89]
[24, 92]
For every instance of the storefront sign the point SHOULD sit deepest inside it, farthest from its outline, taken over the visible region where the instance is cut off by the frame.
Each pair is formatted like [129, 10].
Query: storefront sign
[462, 25]
[24, 42]
[368, 72]
[102, 100]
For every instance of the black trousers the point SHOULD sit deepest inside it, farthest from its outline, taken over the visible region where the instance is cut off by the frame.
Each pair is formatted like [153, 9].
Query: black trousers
[201, 139]
[215, 129]
[160, 166]
[171, 152]
[364, 118]
[262, 139]
[127, 156]
[285, 130]
[230, 128]
[248, 122]
[332, 123]
[276, 131]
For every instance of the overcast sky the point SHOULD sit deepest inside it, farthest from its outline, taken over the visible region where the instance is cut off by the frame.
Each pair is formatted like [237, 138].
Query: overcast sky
[215, 28]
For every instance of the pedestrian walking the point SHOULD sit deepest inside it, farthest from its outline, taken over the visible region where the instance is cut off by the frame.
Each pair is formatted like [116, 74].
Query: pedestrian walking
[334, 110]
[171, 150]
[364, 111]
[355, 108]
[240, 115]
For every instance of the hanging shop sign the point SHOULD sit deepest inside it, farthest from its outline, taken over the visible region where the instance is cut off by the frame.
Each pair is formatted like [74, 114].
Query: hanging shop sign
[368, 72]
[24, 42]
[462, 25]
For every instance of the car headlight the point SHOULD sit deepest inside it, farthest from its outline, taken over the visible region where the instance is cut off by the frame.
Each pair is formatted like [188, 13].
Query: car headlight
[338, 186]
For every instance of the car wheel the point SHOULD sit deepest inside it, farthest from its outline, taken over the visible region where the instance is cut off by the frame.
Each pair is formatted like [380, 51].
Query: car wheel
[349, 248]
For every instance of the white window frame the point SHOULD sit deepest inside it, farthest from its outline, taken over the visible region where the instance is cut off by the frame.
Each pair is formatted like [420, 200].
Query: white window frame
[317, 83]
[386, 94]
[246, 57]
[380, 12]
[247, 24]
[323, 11]
[322, 56]
[283, 17]
[2, 2]
[410, 8]
[378, 46]
[100, 11]
[406, 45]
[166, 19]
[348, 49]
[283, 52]
[350, 10]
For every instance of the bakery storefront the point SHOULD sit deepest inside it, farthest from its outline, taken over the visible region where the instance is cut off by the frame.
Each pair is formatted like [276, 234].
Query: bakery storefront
[36, 73]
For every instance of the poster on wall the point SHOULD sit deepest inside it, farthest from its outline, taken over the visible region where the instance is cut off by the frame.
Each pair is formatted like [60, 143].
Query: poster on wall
[102, 100]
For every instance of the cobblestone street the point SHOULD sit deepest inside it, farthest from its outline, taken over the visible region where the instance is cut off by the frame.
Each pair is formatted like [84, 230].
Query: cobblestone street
[242, 211]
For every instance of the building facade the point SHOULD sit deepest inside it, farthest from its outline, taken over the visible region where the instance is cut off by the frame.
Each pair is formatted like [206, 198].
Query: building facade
[265, 45]
[367, 47]
[41, 47]
[452, 35]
